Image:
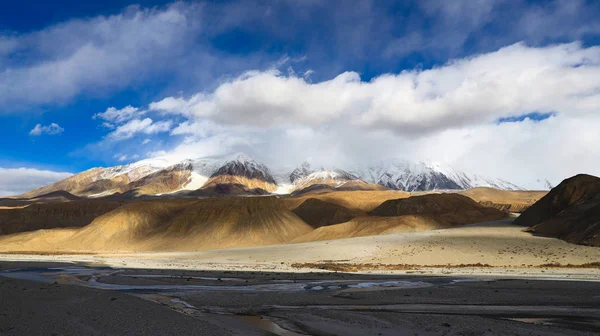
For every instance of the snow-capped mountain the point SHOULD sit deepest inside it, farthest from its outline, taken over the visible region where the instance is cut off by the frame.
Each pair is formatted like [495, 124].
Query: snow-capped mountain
[407, 176]
[411, 176]
[159, 176]
[334, 178]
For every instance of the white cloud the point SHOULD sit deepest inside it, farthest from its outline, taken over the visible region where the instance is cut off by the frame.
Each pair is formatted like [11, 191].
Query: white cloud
[14, 181]
[52, 129]
[135, 126]
[121, 157]
[103, 53]
[113, 115]
[146, 141]
[446, 114]
[511, 81]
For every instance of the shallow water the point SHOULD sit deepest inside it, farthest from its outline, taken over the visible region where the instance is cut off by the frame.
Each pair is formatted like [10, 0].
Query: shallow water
[73, 275]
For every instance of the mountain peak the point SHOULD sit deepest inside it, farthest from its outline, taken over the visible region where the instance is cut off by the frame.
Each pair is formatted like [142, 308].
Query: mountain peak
[239, 156]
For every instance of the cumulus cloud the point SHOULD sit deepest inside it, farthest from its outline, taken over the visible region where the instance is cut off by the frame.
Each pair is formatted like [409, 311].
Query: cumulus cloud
[450, 114]
[52, 129]
[135, 126]
[512, 81]
[14, 181]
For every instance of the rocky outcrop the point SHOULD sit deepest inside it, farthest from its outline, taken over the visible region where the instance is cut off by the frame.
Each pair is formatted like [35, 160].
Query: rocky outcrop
[570, 211]
[516, 208]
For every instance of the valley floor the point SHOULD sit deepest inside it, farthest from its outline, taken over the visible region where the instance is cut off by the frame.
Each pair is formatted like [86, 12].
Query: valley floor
[492, 248]
[483, 279]
[74, 299]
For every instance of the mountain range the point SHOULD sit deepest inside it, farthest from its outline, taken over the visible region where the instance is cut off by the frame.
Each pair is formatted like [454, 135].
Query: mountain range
[239, 174]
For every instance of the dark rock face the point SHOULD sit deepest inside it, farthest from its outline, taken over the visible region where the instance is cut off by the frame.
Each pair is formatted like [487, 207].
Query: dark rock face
[318, 213]
[250, 169]
[570, 211]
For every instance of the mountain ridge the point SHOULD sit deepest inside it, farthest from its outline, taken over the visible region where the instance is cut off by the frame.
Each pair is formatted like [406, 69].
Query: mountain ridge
[160, 176]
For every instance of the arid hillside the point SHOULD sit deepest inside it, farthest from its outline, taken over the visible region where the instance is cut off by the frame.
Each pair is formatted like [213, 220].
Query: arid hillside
[570, 211]
[358, 200]
[172, 225]
[417, 213]
[71, 214]
[318, 213]
[505, 200]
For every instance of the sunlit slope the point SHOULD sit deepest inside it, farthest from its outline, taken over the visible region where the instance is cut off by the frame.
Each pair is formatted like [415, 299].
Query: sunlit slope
[173, 225]
[358, 200]
[417, 213]
[505, 200]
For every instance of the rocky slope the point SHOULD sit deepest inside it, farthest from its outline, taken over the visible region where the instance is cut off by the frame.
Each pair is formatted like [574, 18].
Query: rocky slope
[570, 211]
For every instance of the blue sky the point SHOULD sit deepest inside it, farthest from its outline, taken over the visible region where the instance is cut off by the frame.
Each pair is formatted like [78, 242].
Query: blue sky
[178, 63]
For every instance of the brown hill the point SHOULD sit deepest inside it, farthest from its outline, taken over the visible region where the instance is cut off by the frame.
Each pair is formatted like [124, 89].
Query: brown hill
[570, 211]
[226, 189]
[163, 181]
[347, 186]
[71, 184]
[373, 226]
[417, 213]
[56, 196]
[173, 225]
[53, 215]
[248, 183]
[504, 200]
[359, 200]
[53, 197]
[319, 213]
[437, 204]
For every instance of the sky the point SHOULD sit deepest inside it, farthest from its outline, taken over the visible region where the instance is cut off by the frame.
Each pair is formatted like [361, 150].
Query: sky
[504, 88]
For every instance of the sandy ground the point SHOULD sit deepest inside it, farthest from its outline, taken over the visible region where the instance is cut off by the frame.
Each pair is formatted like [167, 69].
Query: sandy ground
[500, 244]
